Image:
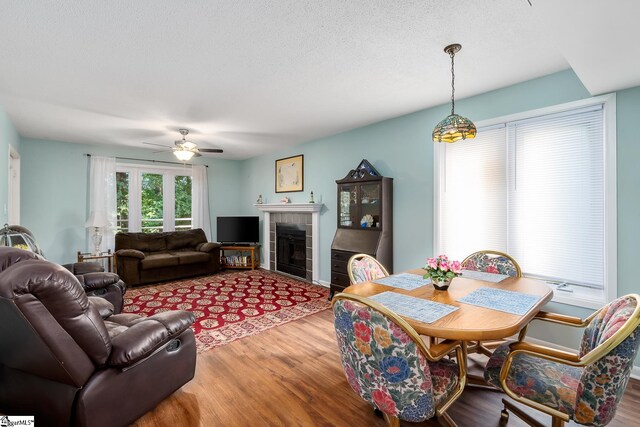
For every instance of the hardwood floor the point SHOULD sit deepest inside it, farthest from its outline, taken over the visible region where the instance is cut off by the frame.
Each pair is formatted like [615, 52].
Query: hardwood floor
[291, 376]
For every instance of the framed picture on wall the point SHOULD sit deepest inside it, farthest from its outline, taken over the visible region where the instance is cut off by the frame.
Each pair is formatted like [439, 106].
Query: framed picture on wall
[290, 174]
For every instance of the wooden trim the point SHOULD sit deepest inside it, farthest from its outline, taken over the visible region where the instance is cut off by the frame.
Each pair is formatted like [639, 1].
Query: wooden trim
[562, 319]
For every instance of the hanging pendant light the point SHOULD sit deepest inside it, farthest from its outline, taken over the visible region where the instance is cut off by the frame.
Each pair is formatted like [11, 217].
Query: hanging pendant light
[454, 127]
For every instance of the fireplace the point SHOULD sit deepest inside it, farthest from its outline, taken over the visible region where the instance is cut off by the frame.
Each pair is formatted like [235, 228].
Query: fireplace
[307, 214]
[291, 249]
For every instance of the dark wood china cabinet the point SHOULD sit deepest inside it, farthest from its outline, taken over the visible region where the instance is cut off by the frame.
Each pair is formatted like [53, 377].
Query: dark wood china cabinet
[365, 221]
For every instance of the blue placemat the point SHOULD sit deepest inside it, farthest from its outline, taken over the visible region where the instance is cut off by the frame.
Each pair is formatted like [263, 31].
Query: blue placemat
[486, 277]
[501, 300]
[406, 281]
[416, 308]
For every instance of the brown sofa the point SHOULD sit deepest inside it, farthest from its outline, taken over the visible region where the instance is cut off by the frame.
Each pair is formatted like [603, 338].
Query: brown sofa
[155, 257]
[68, 362]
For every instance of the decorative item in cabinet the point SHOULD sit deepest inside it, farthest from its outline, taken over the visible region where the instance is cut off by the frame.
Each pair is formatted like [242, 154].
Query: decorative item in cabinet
[365, 221]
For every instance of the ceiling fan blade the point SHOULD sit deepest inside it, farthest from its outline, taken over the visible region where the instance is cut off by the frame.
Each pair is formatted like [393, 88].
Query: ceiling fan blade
[197, 155]
[157, 145]
[210, 150]
[161, 151]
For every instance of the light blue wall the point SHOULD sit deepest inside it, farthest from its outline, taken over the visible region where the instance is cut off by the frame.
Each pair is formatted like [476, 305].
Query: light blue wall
[54, 191]
[401, 148]
[8, 136]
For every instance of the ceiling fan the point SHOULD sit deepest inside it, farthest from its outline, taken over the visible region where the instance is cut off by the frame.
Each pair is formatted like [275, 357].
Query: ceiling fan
[184, 150]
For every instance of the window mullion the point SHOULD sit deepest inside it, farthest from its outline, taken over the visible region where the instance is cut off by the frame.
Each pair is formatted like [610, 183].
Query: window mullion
[168, 201]
[135, 199]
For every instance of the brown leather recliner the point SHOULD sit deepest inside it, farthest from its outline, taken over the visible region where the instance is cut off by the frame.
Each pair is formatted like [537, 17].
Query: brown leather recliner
[65, 364]
[91, 275]
[98, 283]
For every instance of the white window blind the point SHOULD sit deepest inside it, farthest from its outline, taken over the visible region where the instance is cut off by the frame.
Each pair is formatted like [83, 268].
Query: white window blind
[474, 195]
[533, 188]
[556, 196]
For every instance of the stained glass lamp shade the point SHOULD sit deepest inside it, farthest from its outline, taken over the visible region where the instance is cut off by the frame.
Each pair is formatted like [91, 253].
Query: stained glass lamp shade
[454, 127]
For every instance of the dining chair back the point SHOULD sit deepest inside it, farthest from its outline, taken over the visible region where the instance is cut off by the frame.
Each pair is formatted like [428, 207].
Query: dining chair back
[496, 262]
[490, 261]
[364, 268]
[604, 381]
[388, 365]
[585, 387]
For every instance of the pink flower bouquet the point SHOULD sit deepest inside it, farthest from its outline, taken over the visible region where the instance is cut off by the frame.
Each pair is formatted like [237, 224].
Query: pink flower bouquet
[441, 270]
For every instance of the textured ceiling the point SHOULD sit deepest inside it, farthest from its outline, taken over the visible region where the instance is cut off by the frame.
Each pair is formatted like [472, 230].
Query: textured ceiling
[253, 77]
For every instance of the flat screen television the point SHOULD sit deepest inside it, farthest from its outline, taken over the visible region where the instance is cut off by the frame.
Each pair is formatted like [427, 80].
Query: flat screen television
[238, 229]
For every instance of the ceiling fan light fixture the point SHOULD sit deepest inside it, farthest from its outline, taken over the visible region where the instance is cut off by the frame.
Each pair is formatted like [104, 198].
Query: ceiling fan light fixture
[454, 127]
[188, 145]
[183, 154]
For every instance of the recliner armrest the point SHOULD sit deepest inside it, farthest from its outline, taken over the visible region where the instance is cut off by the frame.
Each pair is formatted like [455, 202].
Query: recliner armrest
[133, 253]
[207, 247]
[104, 307]
[93, 281]
[145, 335]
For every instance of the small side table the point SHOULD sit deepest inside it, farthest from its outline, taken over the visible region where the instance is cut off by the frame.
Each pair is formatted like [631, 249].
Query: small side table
[108, 259]
[240, 261]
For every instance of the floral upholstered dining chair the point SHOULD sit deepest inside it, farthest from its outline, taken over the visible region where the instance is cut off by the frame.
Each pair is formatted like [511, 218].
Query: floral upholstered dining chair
[364, 268]
[586, 386]
[490, 261]
[496, 262]
[388, 365]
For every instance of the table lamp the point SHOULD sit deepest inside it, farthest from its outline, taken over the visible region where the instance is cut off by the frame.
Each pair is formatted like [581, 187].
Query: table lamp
[97, 220]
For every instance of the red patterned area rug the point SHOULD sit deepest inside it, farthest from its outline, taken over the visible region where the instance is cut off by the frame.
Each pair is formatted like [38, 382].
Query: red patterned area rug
[230, 306]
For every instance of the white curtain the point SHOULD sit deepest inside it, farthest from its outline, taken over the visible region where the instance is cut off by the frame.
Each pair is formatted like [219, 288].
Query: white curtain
[200, 216]
[102, 198]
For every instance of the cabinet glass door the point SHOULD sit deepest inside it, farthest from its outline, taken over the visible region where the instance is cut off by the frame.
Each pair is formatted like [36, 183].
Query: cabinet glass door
[347, 197]
[370, 205]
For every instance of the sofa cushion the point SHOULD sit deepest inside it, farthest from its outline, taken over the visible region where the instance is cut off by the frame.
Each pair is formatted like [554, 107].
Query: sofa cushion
[191, 257]
[145, 242]
[185, 239]
[158, 261]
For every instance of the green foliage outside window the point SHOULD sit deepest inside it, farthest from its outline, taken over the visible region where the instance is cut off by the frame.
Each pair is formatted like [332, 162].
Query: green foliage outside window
[183, 202]
[122, 200]
[151, 211]
[152, 208]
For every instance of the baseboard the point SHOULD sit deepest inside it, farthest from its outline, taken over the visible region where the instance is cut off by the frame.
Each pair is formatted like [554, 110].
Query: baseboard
[635, 371]
[319, 283]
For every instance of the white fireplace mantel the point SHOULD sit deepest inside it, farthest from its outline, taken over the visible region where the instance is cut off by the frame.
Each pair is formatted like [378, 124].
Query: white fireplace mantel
[312, 208]
[290, 207]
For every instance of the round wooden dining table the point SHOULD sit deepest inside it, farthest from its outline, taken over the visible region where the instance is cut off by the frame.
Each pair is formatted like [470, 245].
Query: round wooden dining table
[469, 322]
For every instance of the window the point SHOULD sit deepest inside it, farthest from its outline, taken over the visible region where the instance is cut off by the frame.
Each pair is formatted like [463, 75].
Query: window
[153, 199]
[541, 187]
[182, 202]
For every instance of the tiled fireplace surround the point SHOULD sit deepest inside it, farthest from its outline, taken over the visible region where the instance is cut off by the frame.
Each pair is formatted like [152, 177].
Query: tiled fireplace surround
[290, 218]
[292, 213]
